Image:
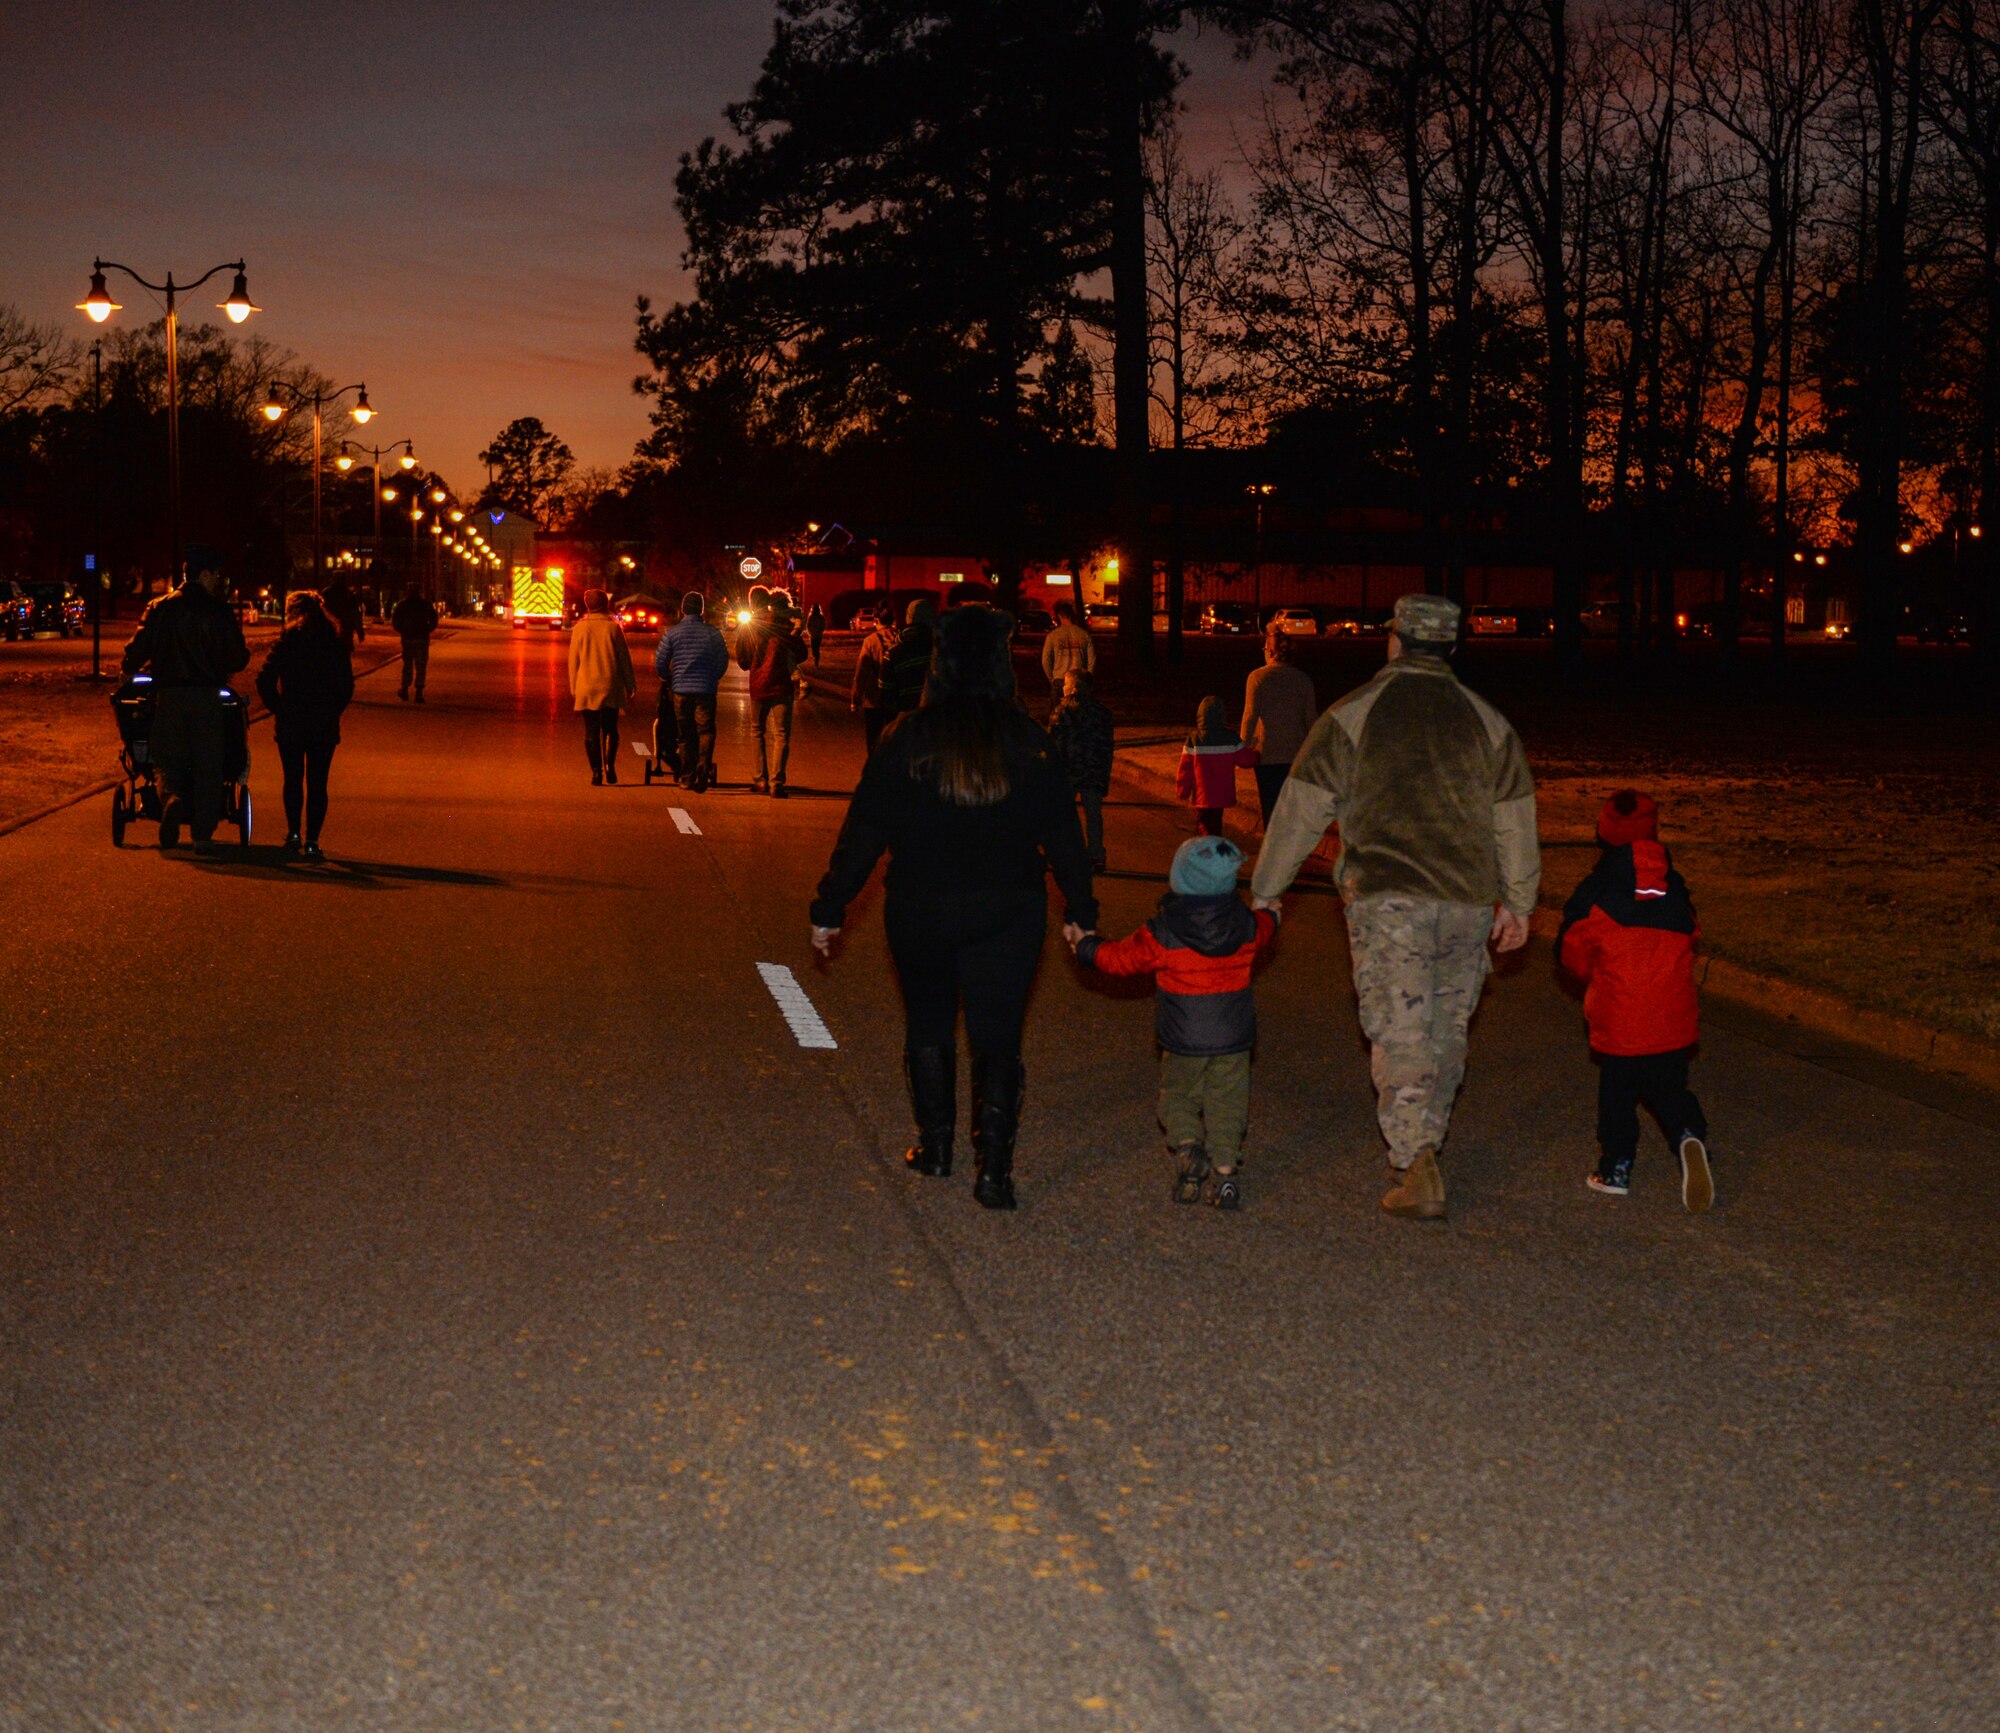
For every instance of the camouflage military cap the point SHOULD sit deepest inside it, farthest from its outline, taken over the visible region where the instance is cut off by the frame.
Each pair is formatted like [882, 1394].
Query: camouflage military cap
[1427, 619]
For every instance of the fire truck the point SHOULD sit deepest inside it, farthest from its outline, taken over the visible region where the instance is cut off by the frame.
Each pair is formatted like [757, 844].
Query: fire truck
[538, 598]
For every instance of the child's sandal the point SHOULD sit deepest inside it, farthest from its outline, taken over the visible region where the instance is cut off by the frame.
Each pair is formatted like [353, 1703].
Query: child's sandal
[1228, 1191]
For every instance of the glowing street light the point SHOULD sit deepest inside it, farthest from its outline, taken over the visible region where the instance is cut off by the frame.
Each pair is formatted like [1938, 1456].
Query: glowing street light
[376, 453]
[276, 409]
[99, 306]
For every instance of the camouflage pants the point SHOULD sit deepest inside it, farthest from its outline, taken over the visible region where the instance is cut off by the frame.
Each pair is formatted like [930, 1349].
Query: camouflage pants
[1419, 966]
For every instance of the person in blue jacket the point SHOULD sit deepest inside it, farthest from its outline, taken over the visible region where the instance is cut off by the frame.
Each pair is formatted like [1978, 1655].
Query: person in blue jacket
[690, 661]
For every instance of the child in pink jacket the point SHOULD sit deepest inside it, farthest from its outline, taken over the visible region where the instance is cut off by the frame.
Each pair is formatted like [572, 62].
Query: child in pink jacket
[1206, 779]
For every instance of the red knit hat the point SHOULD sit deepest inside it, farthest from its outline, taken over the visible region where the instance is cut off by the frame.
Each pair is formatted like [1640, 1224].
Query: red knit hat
[1628, 816]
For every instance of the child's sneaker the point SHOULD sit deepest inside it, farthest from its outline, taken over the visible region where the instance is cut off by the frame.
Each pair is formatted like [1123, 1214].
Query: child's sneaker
[1193, 1174]
[1697, 1183]
[1228, 1191]
[1613, 1178]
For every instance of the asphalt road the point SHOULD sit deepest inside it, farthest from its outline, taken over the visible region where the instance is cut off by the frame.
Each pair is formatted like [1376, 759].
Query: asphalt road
[438, 1292]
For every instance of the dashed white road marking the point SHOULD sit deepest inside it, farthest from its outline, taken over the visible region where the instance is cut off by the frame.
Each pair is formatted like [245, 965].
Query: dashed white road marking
[684, 821]
[797, 1010]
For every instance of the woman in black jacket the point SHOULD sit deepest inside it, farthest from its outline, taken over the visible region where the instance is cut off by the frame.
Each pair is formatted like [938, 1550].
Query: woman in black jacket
[966, 797]
[306, 682]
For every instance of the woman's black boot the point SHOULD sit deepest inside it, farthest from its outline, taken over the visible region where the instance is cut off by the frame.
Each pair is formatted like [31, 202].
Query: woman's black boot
[933, 1079]
[999, 1085]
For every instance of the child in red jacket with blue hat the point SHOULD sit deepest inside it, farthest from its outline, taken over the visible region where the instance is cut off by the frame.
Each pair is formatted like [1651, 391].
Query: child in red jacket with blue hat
[1200, 947]
[1629, 934]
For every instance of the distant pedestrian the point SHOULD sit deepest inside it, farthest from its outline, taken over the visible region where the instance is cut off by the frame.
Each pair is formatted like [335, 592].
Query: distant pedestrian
[910, 661]
[1082, 731]
[306, 682]
[343, 607]
[600, 683]
[414, 620]
[1279, 709]
[1201, 947]
[1067, 649]
[1206, 775]
[1629, 935]
[1436, 810]
[192, 642]
[871, 670]
[690, 660]
[966, 797]
[770, 650]
[815, 630]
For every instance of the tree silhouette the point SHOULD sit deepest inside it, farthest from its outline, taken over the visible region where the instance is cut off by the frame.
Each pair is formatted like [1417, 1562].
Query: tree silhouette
[531, 468]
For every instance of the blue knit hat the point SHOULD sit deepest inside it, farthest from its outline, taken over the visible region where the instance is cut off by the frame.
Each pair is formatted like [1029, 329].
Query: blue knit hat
[1205, 866]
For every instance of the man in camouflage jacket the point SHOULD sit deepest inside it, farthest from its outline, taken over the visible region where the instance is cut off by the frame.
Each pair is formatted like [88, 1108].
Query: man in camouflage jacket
[1439, 857]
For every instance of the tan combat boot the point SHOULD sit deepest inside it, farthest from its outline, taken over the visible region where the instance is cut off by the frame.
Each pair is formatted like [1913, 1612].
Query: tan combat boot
[1419, 1189]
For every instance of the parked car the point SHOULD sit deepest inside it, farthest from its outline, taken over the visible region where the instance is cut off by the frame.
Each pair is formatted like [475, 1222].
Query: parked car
[1602, 619]
[1101, 616]
[1034, 619]
[1492, 623]
[1355, 622]
[1938, 626]
[26, 609]
[1296, 622]
[1229, 617]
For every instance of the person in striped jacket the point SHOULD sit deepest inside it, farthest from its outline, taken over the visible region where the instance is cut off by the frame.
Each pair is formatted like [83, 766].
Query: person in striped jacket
[1206, 776]
[1629, 935]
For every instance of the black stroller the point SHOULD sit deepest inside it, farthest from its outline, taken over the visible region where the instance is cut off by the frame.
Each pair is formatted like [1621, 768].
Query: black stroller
[132, 704]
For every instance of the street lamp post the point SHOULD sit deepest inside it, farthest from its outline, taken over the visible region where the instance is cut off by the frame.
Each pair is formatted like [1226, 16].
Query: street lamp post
[100, 306]
[377, 452]
[275, 409]
[1259, 492]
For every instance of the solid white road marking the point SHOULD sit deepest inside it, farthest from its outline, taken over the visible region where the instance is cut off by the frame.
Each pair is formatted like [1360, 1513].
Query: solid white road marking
[797, 1010]
[684, 821]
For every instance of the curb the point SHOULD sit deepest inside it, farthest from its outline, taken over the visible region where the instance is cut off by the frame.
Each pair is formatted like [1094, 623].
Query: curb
[1924, 1045]
[92, 790]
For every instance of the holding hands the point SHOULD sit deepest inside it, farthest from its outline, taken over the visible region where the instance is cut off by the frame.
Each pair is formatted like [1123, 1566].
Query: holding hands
[1073, 935]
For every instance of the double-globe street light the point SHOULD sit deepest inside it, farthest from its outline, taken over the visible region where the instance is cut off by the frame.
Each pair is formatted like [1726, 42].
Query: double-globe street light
[276, 409]
[100, 306]
[345, 462]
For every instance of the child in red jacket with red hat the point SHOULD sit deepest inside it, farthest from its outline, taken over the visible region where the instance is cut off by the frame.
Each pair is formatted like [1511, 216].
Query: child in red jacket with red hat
[1629, 933]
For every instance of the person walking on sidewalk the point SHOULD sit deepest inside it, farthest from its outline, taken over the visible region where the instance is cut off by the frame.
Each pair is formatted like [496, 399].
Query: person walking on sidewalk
[306, 681]
[192, 642]
[1629, 934]
[690, 661]
[1082, 731]
[1200, 947]
[770, 650]
[414, 620]
[1279, 709]
[871, 668]
[815, 629]
[909, 663]
[343, 607]
[1439, 857]
[968, 801]
[1206, 775]
[1068, 649]
[600, 682]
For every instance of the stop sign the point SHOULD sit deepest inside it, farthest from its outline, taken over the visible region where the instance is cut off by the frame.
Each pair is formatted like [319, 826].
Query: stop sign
[751, 567]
